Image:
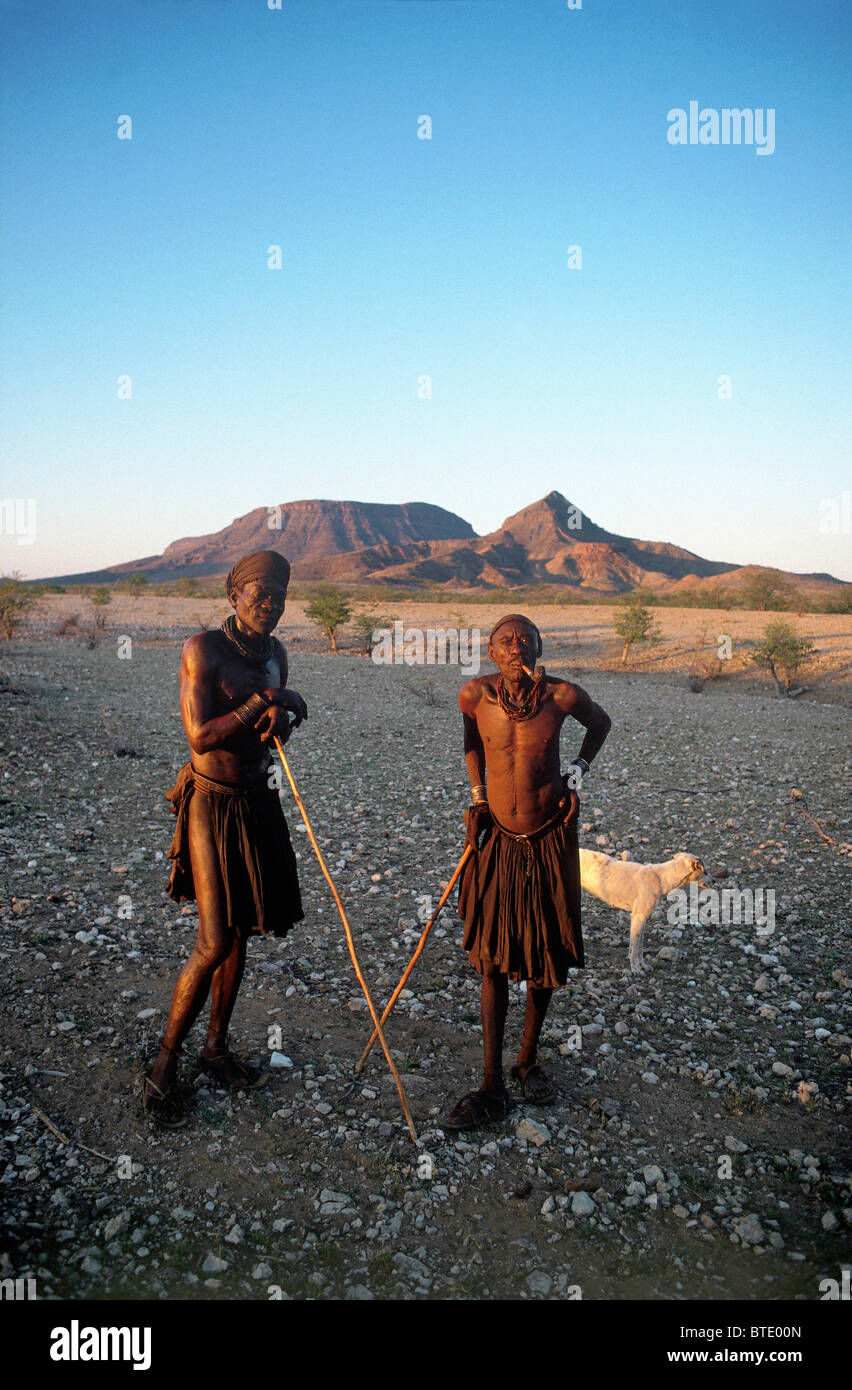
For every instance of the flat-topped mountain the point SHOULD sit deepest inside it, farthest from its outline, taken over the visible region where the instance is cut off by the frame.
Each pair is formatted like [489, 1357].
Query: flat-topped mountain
[549, 542]
[306, 532]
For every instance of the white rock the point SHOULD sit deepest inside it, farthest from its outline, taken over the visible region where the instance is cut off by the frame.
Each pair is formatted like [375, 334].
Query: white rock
[539, 1282]
[278, 1060]
[116, 1224]
[582, 1204]
[651, 1173]
[830, 1221]
[533, 1131]
[781, 1069]
[213, 1265]
[749, 1229]
[735, 1146]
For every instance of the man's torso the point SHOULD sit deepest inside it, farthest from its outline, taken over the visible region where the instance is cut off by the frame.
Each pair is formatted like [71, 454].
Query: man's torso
[521, 759]
[230, 680]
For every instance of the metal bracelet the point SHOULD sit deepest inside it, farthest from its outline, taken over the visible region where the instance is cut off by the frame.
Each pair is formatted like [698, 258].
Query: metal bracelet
[252, 709]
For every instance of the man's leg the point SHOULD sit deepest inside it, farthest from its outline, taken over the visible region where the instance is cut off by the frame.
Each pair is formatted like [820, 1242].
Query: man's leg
[494, 1004]
[213, 947]
[535, 1085]
[223, 996]
[490, 1102]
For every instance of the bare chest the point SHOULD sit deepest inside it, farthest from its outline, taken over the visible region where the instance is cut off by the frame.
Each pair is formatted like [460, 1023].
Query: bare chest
[523, 738]
[236, 679]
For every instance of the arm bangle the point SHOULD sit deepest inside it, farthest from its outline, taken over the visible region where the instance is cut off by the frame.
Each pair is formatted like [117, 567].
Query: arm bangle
[253, 708]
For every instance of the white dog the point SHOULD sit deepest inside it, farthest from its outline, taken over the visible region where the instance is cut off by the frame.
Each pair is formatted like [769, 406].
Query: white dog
[636, 888]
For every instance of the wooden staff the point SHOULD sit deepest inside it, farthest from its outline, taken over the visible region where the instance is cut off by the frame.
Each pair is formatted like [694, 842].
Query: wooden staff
[350, 943]
[411, 964]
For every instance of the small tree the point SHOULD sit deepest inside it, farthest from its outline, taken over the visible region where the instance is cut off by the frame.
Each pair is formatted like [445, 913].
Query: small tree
[329, 609]
[100, 597]
[782, 653]
[187, 587]
[365, 624]
[767, 590]
[17, 602]
[634, 624]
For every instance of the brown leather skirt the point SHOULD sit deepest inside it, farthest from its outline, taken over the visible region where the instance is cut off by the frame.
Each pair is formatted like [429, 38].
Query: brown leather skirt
[256, 860]
[520, 900]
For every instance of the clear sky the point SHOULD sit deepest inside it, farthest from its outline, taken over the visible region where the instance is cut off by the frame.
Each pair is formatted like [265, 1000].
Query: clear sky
[403, 258]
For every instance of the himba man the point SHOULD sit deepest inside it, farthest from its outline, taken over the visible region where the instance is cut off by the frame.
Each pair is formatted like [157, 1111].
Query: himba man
[520, 889]
[231, 847]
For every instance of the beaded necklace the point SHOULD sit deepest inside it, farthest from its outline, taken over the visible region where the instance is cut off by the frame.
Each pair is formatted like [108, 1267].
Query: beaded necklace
[259, 657]
[528, 706]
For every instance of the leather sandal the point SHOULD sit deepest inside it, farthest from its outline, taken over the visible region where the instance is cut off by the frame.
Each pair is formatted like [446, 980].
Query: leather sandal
[165, 1108]
[231, 1071]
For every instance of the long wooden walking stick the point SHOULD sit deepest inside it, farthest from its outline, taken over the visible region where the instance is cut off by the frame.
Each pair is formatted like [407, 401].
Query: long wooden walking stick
[414, 959]
[350, 943]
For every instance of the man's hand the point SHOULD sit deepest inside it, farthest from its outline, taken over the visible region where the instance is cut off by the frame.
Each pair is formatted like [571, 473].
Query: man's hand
[274, 723]
[574, 805]
[290, 700]
[477, 818]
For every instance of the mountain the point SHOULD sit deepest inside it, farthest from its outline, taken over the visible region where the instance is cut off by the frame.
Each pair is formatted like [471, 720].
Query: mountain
[306, 532]
[549, 542]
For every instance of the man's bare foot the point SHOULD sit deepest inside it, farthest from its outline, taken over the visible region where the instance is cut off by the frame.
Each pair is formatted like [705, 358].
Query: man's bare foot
[537, 1088]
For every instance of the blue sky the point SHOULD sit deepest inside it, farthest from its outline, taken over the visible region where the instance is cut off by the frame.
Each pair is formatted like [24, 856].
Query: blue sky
[404, 257]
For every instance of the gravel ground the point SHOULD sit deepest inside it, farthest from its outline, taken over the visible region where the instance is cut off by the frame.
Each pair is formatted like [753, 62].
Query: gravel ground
[699, 1145]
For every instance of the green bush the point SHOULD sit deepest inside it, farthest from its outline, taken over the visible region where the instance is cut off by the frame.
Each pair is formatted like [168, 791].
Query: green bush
[18, 601]
[782, 653]
[634, 625]
[329, 609]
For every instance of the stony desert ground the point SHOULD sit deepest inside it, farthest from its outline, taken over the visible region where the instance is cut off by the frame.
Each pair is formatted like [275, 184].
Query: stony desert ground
[699, 1147]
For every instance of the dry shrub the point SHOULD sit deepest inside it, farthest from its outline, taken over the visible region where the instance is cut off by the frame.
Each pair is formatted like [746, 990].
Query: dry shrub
[69, 625]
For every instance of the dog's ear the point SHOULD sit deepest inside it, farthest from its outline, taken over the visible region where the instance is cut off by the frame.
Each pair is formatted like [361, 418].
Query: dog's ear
[697, 866]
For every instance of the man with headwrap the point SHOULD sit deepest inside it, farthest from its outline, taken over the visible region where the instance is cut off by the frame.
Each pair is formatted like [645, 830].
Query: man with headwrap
[520, 890]
[231, 847]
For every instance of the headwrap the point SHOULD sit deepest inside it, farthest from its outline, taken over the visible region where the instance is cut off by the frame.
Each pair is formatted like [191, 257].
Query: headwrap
[516, 618]
[261, 564]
